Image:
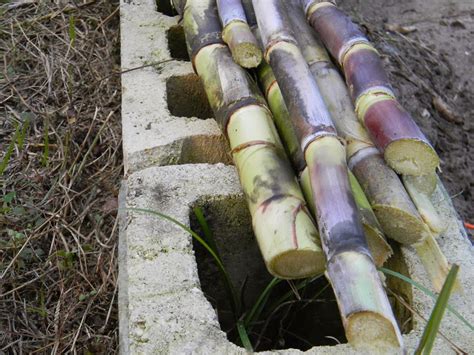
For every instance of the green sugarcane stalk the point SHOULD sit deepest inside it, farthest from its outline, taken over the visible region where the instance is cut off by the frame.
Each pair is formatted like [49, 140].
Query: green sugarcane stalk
[363, 304]
[420, 191]
[237, 34]
[283, 227]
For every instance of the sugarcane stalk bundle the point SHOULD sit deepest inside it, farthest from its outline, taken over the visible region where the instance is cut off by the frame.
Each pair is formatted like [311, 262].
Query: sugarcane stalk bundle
[392, 205]
[367, 320]
[345, 143]
[378, 246]
[391, 128]
[283, 227]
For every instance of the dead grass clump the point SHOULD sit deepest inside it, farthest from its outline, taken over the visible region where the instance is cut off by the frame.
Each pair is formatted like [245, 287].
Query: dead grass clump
[60, 167]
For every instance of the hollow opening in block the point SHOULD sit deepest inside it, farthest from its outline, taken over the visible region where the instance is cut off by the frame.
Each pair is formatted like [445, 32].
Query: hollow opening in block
[177, 43]
[284, 321]
[165, 7]
[186, 97]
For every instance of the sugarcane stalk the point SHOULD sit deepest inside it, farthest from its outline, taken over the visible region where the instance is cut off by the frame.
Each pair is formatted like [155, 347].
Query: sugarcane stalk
[391, 203]
[391, 128]
[363, 304]
[284, 229]
[237, 34]
[420, 195]
[378, 246]
[434, 262]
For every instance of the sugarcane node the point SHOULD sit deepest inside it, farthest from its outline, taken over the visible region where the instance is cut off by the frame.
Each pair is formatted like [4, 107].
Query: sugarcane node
[368, 98]
[310, 6]
[336, 29]
[405, 147]
[364, 71]
[224, 113]
[253, 143]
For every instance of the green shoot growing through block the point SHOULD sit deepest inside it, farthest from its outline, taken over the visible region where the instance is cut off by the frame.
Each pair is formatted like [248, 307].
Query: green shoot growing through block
[429, 335]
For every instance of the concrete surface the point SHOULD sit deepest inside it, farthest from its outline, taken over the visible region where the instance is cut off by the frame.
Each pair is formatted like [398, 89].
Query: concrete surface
[151, 134]
[162, 308]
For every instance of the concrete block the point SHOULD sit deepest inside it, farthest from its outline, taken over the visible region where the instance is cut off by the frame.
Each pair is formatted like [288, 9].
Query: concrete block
[165, 115]
[162, 307]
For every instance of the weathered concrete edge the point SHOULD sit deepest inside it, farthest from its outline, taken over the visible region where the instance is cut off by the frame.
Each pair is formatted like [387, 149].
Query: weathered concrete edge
[179, 187]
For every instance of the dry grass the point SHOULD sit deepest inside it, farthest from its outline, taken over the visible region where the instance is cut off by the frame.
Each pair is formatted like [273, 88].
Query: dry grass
[60, 145]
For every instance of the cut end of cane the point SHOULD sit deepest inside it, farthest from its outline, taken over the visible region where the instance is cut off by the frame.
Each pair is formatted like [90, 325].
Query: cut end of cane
[378, 246]
[247, 55]
[243, 45]
[399, 225]
[298, 264]
[371, 331]
[411, 157]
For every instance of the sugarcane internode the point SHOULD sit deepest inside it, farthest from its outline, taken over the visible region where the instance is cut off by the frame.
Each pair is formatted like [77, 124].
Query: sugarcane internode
[391, 128]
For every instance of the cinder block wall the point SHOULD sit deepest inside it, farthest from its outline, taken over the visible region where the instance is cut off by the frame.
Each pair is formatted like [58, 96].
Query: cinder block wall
[175, 159]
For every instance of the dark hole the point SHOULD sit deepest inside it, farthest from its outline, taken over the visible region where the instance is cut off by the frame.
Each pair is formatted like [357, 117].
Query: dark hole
[186, 97]
[285, 322]
[165, 7]
[177, 43]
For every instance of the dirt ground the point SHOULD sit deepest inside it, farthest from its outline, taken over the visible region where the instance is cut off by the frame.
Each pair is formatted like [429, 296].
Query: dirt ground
[429, 54]
[60, 169]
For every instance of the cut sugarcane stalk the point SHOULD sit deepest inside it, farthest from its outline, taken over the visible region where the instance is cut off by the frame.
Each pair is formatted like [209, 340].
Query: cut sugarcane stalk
[425, 184]
[283, 227]
[434, 262]
[363, 304]
[389, 199]
[237, 34]
[391, 128]
[391, 204]
[420, 196]
[379, 248]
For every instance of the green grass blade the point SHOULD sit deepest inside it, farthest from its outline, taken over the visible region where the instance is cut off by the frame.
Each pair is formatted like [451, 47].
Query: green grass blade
[72, 30]
[209, 237]
[302, 284]
[21, 137]
[244, 337]
[10, 149]
[427, 292]
[260, 303]
[230, 287]
[431, 330]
